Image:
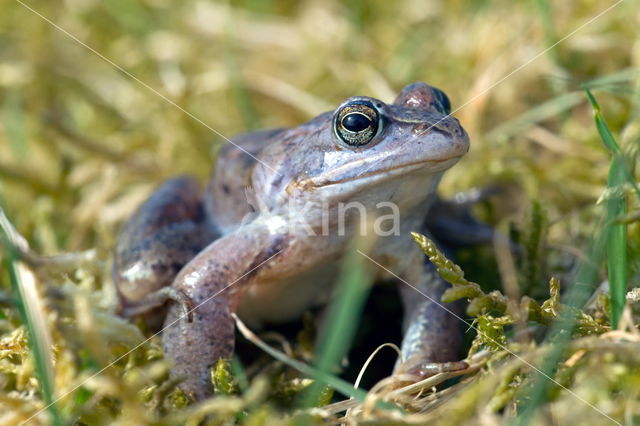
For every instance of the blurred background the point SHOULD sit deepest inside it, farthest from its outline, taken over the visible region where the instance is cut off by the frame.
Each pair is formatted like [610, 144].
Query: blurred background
[82, 143]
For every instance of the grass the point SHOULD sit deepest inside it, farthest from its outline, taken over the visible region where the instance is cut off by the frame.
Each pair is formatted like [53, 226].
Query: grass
[28, 303]
[81, 145]
[343, 314]
[612, 244]
[619, 175]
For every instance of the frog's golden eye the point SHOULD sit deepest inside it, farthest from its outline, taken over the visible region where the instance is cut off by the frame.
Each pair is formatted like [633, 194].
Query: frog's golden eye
[357, 123]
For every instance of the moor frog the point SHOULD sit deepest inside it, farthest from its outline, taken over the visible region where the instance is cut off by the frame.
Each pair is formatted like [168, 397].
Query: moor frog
[239, 246]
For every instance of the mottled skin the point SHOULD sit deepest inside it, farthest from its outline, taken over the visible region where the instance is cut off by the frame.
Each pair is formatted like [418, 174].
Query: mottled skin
[246, 245]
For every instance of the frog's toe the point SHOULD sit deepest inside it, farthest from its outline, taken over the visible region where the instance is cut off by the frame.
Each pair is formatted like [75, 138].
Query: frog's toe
[423, 369]
[156, 300]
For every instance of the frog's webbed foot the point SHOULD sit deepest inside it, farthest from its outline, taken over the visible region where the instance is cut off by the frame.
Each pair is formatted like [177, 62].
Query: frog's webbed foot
[156, 299]
[423, 369]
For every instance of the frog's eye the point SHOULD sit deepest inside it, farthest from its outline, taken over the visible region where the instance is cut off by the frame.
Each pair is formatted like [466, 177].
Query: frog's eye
[443, 103]
[357, 123]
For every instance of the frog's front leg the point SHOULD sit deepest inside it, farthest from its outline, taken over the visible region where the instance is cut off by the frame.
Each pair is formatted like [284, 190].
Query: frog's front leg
[214, 281]
[432, 337]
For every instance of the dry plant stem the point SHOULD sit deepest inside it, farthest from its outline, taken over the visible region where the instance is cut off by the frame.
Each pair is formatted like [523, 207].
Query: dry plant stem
[475, 363]
[370, 358]
[27, 178]
[32, 309]
[277, 337]
[580, 347]
[87, 259]
[433, 401]
[506, 266]
[85, 143]
[510, 285]
[368, 361]
[81, 141]
[161, 393]
[339, 384]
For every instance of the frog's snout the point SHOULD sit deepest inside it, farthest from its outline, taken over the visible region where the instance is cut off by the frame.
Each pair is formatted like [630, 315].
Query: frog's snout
[462, 143]
[457, 141]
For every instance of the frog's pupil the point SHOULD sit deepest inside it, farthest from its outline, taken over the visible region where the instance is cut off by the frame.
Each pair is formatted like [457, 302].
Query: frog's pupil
[356, 122]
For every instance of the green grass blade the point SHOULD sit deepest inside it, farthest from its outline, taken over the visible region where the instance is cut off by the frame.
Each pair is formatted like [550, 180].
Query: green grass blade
[23, 283]
[337, 383]
[558, 105]
[610, 143]
[546, 17]
[610, 241]
[551, 108]
[616, 245]
[561, 331]
[343, 317]
[239, 91]
[13, 120]
[616, 207]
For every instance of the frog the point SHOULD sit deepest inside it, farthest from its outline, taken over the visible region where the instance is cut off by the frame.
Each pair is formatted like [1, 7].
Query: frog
[264, 240]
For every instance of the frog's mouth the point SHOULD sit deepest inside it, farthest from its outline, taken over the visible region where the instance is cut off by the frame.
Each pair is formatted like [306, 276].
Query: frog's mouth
[433, 166]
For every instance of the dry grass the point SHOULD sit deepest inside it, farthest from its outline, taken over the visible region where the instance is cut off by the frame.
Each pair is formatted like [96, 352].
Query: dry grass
[81, 145]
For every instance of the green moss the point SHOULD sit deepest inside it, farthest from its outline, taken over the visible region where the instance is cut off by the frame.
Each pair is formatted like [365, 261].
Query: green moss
[223, 381]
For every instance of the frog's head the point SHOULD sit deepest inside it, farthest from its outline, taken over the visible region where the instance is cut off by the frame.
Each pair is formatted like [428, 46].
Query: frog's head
[367, 150]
